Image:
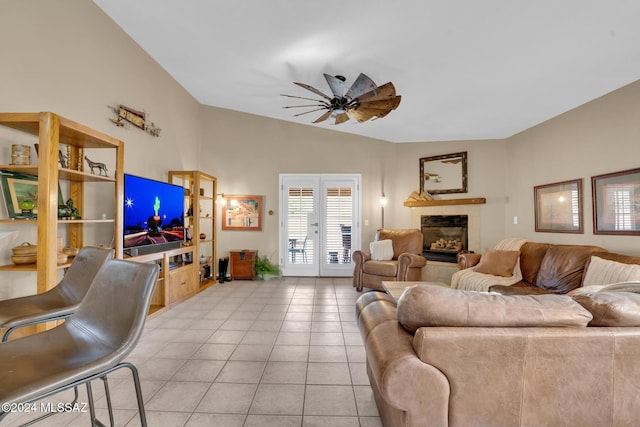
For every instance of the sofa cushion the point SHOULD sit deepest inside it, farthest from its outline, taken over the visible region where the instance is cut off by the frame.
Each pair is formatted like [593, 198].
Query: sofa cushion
[404, 240]
[562, 267]
[602, 271]
[381, 250]
[426, 305]
[630, 286]
[531, 255]
[497, 263]
[611, 308]
[381, 268]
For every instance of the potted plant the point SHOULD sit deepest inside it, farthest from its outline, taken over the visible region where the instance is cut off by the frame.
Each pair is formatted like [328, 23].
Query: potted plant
[265, 269]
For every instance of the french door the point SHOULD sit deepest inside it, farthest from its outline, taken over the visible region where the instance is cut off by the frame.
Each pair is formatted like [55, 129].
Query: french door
[319, 224]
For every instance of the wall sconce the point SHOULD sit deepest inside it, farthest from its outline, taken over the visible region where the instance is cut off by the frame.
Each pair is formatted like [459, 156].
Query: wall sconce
[383, 203]
[221, 197]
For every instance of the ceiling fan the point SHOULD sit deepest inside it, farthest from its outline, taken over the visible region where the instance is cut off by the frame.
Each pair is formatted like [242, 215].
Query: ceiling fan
[363, 101]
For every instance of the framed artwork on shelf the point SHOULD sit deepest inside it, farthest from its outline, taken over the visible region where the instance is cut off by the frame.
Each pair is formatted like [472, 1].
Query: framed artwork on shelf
[242, 213]
[444, 174]
[20, 193]
[616, 203]
[558, 207]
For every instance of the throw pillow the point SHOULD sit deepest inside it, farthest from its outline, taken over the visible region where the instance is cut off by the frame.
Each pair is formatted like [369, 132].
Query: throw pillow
[497, 263]
[630, 286]
[381, 250]
[603, 271]
[612, 308]
[425, 305]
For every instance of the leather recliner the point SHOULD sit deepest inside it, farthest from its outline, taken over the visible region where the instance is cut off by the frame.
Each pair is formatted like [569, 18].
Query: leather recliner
[406, 264]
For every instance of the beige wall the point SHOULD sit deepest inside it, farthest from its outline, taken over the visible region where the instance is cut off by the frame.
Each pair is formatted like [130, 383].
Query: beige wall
[247, 153]
[486, 178]
[68, 57]
[599, 137]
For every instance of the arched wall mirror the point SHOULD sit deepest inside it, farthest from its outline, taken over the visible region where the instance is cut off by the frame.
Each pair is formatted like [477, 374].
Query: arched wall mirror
[444, 174]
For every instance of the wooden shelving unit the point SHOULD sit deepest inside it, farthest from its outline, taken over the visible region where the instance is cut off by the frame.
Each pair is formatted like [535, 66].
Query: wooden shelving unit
[50, 131]
[200, 208]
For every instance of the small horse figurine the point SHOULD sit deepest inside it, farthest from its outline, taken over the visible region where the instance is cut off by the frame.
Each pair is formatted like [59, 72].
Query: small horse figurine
[96, 165]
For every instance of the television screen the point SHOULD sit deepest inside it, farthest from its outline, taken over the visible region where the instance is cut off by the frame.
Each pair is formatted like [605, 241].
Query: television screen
[153, 215]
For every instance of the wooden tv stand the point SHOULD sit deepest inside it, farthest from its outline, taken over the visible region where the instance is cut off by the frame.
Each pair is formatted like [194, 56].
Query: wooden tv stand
[177, 281]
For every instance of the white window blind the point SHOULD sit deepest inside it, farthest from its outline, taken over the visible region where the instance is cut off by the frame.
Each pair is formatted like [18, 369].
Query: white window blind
[300, 206]
[339, 212]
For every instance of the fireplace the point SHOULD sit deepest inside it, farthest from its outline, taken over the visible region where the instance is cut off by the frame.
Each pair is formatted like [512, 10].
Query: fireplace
[443, 236]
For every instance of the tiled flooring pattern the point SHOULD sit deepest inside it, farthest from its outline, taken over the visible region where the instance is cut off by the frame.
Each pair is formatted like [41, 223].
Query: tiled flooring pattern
[282, 352]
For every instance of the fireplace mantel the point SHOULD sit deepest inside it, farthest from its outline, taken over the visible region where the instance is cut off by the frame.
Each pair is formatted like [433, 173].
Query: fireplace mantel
[423, 203]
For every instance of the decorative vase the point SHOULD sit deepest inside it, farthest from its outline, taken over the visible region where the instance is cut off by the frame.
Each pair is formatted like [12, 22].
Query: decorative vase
[27, 206]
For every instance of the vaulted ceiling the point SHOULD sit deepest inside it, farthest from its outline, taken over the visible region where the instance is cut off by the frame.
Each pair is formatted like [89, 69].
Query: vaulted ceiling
[466, 69]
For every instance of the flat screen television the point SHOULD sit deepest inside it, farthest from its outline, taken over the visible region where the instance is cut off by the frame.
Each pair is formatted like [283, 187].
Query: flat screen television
[153, 215]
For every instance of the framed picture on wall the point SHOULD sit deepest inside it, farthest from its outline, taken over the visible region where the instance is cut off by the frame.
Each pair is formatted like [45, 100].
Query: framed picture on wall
[20, 193]
[559, 207]
[242, 213]
[616, 203]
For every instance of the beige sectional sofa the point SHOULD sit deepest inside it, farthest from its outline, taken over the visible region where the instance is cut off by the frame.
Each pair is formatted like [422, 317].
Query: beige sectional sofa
[545, 268]
[448, 357]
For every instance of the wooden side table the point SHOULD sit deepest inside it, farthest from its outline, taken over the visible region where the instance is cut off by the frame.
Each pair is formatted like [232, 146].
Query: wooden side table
[243, 264]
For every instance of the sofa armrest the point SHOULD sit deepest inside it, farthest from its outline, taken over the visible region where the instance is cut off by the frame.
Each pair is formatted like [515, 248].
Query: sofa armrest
[407, 261]
[404, 381]
[468, 260]
[359, 258]
[412, 260]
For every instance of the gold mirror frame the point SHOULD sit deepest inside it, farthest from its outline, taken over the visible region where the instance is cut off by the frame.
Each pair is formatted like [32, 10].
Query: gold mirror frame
[444, 174]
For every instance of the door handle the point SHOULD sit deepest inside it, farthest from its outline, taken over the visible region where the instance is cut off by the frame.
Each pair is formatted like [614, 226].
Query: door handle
[315, 224]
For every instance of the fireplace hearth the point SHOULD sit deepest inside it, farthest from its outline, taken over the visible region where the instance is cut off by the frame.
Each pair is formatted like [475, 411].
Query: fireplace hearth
[444, 236]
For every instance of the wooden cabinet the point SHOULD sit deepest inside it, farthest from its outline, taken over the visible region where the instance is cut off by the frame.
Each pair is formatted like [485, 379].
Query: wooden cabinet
[177, 280]
[58, 136]
[200, 207]
[243, 263]
[182, 283]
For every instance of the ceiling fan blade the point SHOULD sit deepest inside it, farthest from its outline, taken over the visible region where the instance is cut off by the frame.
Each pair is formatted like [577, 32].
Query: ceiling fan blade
[307, 112]
[302, 97]
[362, 114]
[313, 89]
[384, 104]
[374, 109]
[385, 91]
[336, 85]
[323, 117]
[341, 118]
[362, 85]
[308, 105]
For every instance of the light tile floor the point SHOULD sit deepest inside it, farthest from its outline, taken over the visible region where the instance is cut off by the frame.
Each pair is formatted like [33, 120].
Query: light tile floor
[282, 352]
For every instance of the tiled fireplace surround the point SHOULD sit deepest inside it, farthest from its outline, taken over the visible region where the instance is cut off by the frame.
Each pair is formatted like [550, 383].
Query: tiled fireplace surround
[441, 271]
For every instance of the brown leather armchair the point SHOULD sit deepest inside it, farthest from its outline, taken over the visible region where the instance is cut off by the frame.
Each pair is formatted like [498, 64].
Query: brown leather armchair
[406, 264]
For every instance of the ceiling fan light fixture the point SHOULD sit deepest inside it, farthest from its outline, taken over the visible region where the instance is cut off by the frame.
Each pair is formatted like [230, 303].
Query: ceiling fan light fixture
[364, 100]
